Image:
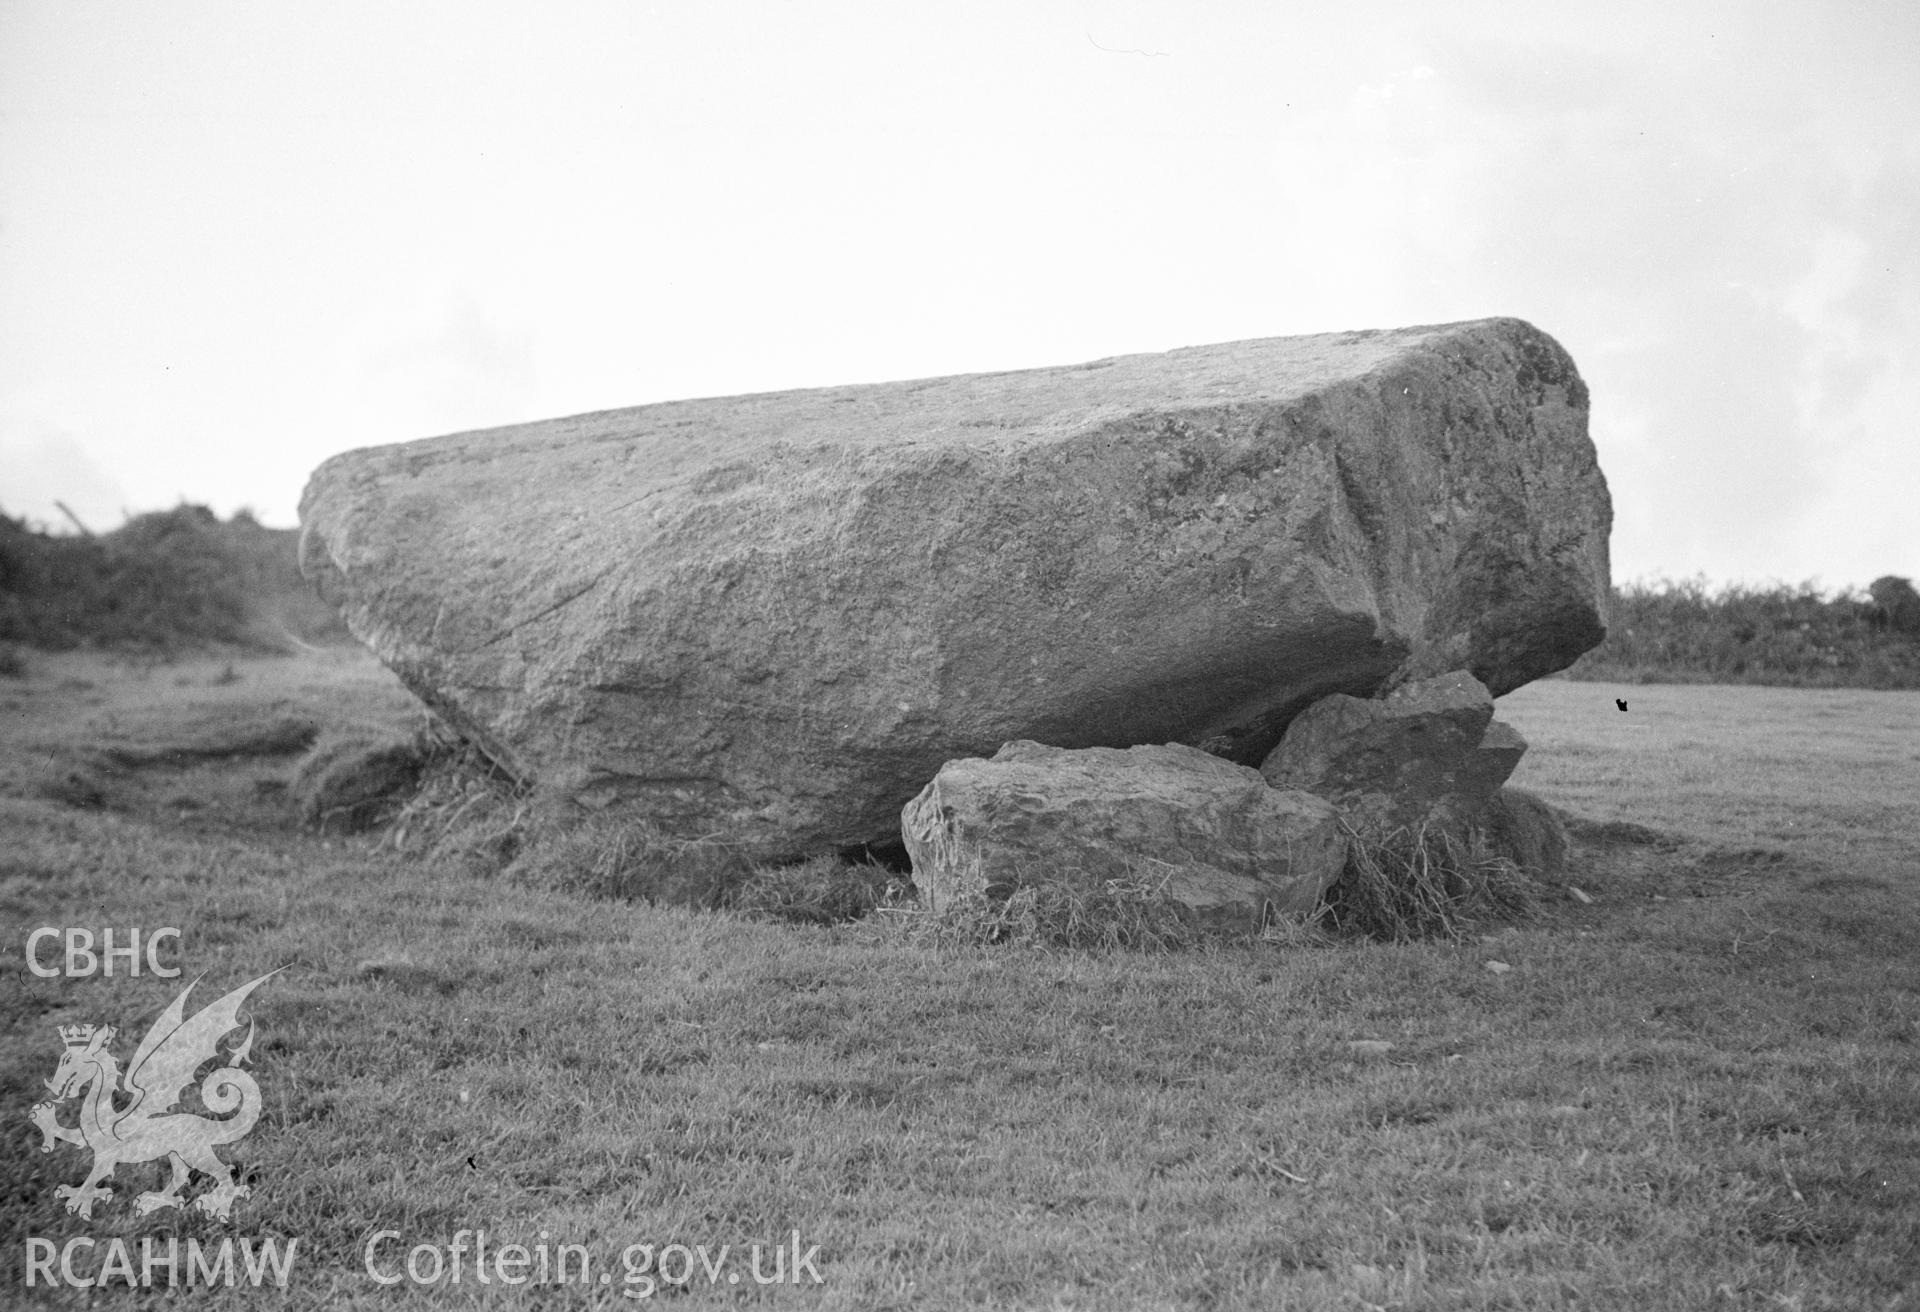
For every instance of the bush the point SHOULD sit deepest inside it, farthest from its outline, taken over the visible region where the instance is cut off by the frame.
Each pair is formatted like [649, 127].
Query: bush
[1683, 632]
[162, 582]
[1895, 604]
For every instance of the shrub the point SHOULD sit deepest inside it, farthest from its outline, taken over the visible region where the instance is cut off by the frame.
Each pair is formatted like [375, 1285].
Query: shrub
[1895, 604]
[1684, 632]
[161, 582]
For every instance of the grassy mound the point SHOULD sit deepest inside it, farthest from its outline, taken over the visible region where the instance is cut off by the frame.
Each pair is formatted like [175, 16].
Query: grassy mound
[170, 581]
[354, 781]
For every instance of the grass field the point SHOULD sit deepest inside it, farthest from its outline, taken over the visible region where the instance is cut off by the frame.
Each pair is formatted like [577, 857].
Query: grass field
[1701, 1089]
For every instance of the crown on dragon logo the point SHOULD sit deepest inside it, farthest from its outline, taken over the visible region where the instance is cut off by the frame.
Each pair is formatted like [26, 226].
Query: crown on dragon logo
[78, 1036]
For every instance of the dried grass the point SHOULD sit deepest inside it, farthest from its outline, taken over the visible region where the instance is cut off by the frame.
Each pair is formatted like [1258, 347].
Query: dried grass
[1429, 882]
[1131, 911]
[822, 891]
[466, 809]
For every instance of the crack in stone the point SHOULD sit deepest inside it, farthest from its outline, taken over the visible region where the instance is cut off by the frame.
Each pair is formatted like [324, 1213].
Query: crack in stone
[567, 600]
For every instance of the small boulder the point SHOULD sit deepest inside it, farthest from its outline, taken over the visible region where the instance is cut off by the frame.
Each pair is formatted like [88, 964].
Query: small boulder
[1528, 831]
[1428, 753]
[1228, 845]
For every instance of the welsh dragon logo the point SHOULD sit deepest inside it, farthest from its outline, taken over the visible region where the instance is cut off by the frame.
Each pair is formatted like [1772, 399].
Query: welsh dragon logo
[147, 1128]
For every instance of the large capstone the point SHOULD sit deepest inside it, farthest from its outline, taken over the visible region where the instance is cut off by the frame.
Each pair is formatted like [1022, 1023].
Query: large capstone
[770, 619]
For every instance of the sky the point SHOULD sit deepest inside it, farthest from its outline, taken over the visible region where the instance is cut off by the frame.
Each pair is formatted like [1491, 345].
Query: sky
[237, 238]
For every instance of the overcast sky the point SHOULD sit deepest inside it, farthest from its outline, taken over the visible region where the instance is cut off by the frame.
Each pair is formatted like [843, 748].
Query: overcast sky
[236, 238]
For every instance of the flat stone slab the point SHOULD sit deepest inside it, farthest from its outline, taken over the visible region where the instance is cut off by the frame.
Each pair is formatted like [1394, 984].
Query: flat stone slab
[770, 619]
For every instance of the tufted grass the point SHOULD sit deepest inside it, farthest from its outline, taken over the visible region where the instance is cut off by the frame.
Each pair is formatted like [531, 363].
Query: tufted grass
[1403, 885]
[1699, 1090]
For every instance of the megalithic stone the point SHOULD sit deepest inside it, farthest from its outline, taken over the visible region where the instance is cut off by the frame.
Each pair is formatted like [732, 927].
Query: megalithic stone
[1428, 751]
[771, 619]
